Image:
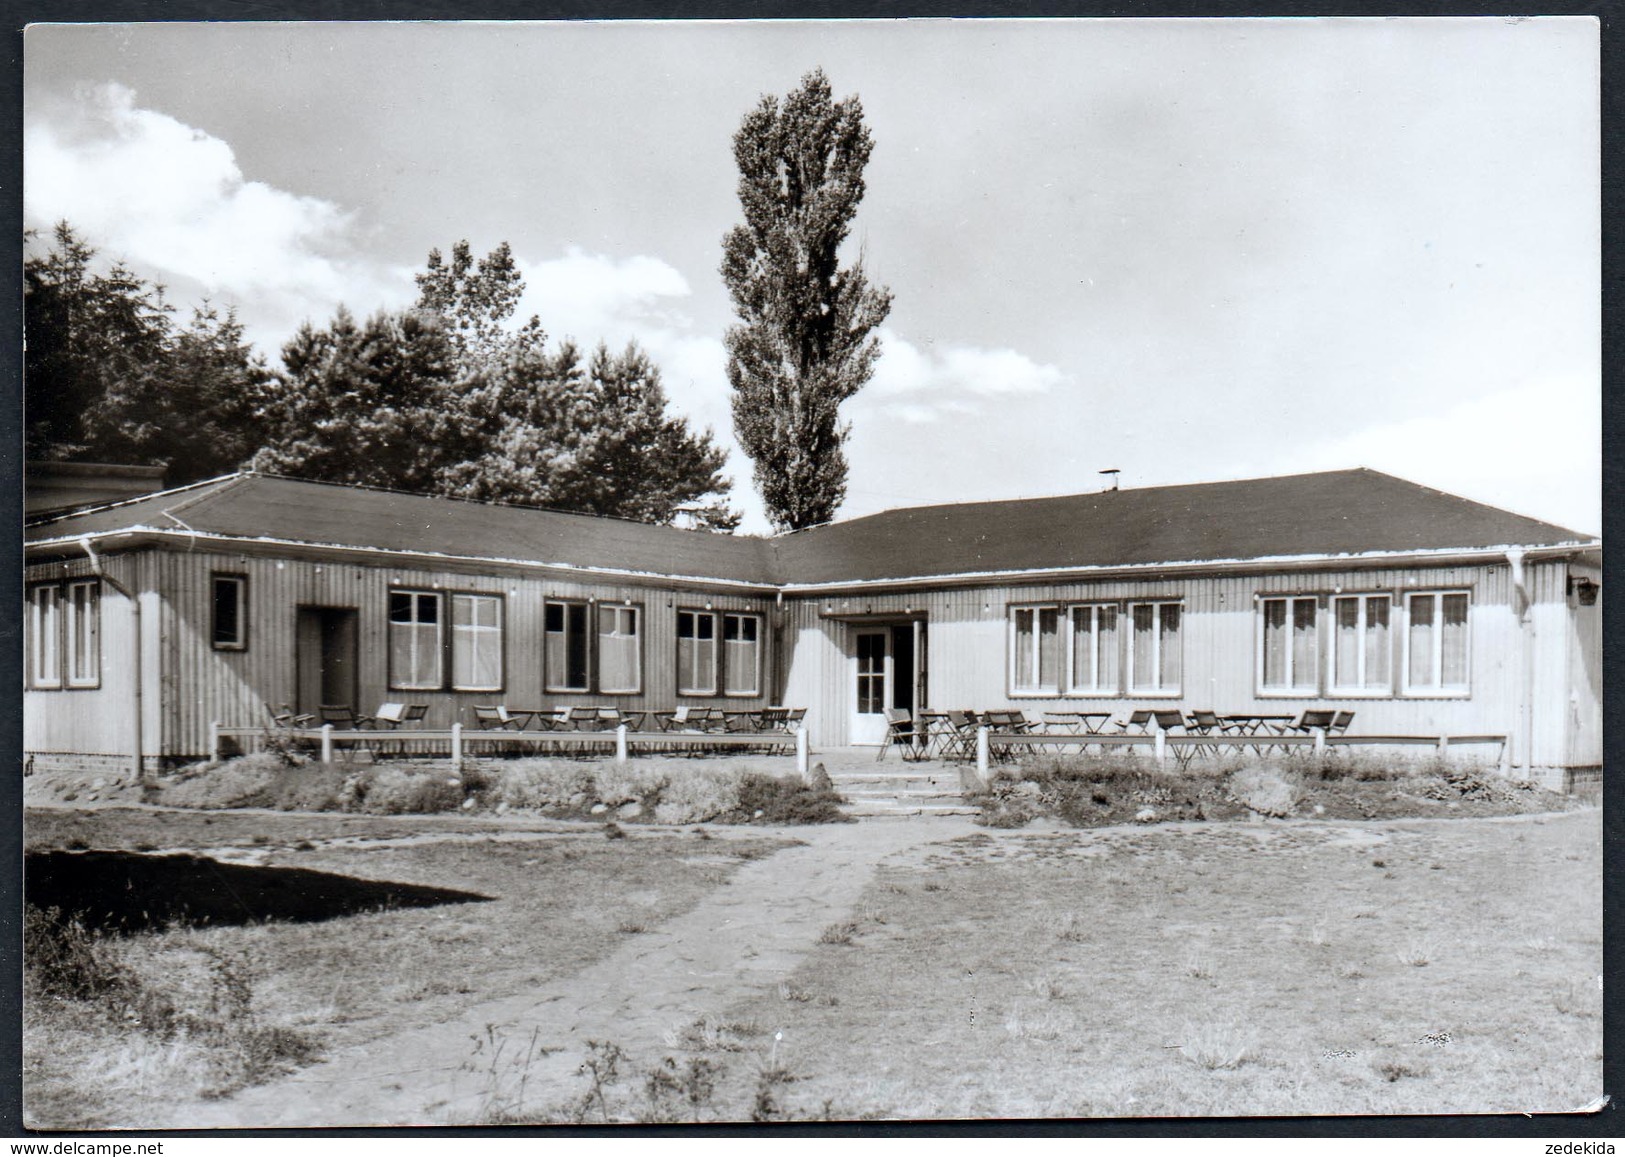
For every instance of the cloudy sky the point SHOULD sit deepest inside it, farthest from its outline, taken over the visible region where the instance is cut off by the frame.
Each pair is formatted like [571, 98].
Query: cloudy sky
[1192, 250]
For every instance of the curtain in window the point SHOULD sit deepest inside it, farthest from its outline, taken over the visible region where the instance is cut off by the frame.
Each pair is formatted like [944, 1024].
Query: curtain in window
[84, 635]
[618, 649]
[743, 660]
[1025, 673]
[1094, 648]
[476, 642]
[1171, 659]
[414, 639]
[45, 637]
[1453, 642]
[1378, 643]
[696, 653]
[1421, 641]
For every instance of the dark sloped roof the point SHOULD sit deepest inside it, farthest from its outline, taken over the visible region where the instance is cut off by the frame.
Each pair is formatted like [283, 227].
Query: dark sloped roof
[1346, 512]
[258, 506]
[1335, 513]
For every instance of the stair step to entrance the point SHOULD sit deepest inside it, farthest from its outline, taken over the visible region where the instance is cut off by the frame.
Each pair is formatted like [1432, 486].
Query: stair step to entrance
[878, 811]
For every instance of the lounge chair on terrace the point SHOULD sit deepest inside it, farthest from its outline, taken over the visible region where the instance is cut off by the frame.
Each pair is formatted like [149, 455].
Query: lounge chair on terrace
[900, 731]
[496, 718]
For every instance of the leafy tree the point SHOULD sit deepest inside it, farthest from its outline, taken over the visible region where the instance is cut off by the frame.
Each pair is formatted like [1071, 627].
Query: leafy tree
[804, 343]
[451, 399]
[476, 300]
[109, 378]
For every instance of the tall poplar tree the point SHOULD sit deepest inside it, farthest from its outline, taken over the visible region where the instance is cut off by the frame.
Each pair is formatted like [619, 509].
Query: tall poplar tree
[804, 343]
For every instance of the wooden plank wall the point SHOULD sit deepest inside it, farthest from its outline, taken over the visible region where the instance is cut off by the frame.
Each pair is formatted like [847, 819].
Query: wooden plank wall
[1585, 675]
[969, 645]
[203, 684]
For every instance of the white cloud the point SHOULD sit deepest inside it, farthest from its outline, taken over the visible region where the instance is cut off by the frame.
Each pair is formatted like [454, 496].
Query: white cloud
[1535, 448]
[922, 385]
[170, 199]
[581, 295]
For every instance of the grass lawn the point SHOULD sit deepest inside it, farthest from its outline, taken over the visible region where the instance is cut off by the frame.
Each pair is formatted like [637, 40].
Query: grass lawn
[1283, 968]
[559, 903]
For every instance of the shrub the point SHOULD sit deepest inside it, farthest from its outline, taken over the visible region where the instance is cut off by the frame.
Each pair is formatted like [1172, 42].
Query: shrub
[785, 800]
[62, 958]
[698, 796]
[390, 791]
[544, 784]
[1265, 792]
[242, 782]
[616, 783]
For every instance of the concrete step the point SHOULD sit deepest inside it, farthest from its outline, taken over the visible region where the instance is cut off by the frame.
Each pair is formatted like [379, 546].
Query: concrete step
[894, 777]
[880, 811]
[908, 796]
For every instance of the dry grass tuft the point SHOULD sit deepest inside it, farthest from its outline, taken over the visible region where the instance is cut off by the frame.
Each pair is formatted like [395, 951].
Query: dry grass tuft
[1218, 1046]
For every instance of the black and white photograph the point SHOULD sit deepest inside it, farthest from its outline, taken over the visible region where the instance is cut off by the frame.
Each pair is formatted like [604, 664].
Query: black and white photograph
[675, 573]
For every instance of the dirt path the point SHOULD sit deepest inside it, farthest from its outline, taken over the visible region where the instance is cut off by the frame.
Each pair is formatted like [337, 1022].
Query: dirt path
[739, 942]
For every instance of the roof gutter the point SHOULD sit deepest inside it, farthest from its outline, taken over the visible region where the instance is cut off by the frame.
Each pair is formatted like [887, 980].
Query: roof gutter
[137, 771]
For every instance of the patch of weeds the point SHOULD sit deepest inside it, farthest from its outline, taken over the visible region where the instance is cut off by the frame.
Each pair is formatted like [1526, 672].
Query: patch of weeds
[1379, 863]
[1217, 1046]
[1416, 953]
[673, 1092]
[1579, 998]
[791, 992]
[1392, 1071]
[631, 927]
[602, 1068]
[765, 1106]
[1048, 986]
[933, 886]
[767, 799]
[506, 1074]
[1071, 927]
[1199, 967]
[838, 933]
[1349, 972]
[614, 831]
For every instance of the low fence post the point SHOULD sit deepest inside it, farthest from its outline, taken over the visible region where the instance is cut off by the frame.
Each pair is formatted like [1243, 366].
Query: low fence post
[1160, 745]
[1504, 762]
[457, 743]
[801, 752]
[1320, 740]
[327, 743]
[620, 743]
[982, 746]
[214, 740]
[1444, 747]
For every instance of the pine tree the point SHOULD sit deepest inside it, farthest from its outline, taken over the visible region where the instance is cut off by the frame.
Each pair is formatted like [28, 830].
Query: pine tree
[804, 343]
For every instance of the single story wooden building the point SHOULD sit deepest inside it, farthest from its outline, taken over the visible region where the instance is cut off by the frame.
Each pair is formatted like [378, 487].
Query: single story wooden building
[1423, 612]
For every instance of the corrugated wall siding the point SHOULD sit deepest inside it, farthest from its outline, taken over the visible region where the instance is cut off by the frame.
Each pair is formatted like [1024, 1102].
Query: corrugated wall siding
[86, 721]
[968, 631]
[203, 684]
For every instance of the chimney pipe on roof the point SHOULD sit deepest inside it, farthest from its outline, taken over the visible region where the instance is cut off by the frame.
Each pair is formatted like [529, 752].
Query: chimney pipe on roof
[1113, 472]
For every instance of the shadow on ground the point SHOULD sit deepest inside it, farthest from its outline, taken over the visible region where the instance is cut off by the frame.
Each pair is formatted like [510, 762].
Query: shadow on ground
[128, 891]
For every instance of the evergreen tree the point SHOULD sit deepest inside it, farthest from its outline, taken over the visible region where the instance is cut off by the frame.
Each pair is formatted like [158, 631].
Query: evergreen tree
[109, 378]
[804, 343]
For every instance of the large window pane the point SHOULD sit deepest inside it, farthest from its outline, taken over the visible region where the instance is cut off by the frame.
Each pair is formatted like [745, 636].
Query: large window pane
[1155, 658]
[1276, 654]
[1094, 649]
[1023, 644]
[1144, 652]
[564, 646]
[1346, 643]
[1171, 656]
[1378, 643]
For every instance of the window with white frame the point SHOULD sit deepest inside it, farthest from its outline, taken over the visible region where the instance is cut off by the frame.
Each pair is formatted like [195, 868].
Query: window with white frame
[45, 637]
[1093, 654]
[696, 653]
[1436, 643]
[1362, 645]
[83, 624]
[565, 645]
[229, 612]
[415, 642]
[1035, 650]
[742, 654]
[1288, 645]
[620, 666]
[476, 642]
[1154, 652]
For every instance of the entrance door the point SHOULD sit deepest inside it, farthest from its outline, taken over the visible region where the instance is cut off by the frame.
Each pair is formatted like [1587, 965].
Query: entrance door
[325, 659]
[872, 678]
